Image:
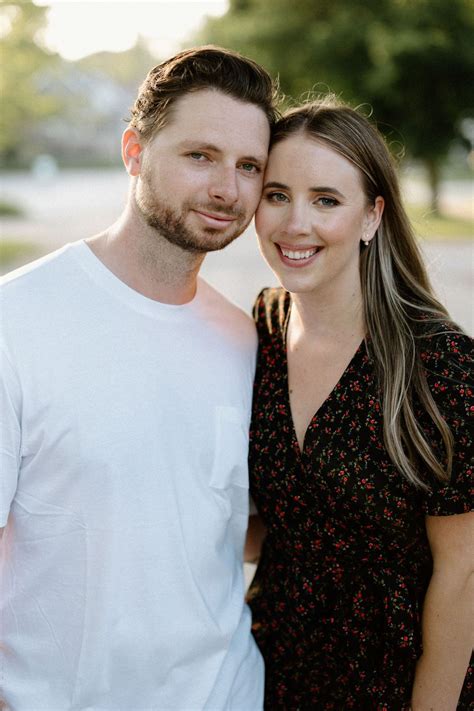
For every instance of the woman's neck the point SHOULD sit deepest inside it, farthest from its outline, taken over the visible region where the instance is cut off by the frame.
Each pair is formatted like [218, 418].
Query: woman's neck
[331, 315]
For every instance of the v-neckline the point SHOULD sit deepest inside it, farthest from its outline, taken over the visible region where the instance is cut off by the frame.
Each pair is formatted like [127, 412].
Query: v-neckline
[316, 415]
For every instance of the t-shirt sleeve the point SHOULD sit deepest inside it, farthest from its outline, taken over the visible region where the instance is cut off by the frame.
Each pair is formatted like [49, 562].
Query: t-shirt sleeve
[449, 371]
[10, 435]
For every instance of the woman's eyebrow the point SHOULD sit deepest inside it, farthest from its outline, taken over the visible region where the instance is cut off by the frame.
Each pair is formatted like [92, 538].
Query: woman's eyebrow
[326, 189]
[274, 184]
[317, 189]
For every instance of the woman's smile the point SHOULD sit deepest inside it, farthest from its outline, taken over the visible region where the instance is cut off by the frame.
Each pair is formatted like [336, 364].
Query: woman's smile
[312, 217]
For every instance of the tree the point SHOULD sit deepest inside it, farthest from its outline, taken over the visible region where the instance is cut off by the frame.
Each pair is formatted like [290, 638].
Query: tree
[410, 60]
[23, 102]
[71, 110]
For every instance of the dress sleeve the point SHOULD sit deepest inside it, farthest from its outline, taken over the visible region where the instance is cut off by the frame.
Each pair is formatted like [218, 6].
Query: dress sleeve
[270, 310]
[448, 365]
[257, 306]
[10, 437]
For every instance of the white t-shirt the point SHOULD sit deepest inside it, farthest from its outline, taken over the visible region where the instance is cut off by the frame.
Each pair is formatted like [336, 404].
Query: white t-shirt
[124, 491]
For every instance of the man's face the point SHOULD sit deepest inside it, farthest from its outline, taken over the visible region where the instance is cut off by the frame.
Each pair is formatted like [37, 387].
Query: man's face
[201, 176]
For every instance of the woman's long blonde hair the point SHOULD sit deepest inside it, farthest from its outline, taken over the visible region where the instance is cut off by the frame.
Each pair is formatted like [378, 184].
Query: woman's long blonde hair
[399, 303]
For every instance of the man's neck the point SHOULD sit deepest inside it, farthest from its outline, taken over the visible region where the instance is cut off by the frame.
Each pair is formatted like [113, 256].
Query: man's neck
[144, 260]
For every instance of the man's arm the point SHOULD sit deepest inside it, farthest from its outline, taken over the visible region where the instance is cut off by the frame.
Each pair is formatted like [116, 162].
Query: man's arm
[10, 434]
[448, 619]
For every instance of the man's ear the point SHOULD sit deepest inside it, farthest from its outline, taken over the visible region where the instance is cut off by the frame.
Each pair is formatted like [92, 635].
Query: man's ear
[131, 151]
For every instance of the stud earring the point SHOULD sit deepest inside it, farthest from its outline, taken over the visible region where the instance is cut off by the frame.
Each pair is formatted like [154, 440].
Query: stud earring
[366, 240]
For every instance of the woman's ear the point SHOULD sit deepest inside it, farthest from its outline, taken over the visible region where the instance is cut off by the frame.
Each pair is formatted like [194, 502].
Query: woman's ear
[131, 151]
[373, 217]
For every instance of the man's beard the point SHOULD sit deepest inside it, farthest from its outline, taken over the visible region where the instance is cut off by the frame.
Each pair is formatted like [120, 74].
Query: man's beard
[170, 223]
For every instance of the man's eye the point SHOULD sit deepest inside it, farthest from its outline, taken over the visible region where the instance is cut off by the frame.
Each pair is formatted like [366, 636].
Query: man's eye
[196, 155]
[250, 168]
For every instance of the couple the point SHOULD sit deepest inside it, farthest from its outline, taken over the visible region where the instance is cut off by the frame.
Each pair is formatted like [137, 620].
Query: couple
[126, 396]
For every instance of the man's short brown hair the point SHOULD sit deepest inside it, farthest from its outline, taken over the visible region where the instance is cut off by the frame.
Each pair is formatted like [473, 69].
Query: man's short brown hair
[207, 67]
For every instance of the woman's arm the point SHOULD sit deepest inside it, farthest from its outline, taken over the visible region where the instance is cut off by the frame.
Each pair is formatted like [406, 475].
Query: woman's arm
[448, 614]
[256, 533]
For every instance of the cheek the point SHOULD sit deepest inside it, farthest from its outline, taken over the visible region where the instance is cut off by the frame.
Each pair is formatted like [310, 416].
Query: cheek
[250, 192]
[265, 220]
[341, 230]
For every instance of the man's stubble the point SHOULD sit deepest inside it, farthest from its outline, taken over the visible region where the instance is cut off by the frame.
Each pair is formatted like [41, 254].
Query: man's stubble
[171, 223]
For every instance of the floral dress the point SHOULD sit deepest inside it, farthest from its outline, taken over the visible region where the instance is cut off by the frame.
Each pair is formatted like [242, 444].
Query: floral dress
[338, 594]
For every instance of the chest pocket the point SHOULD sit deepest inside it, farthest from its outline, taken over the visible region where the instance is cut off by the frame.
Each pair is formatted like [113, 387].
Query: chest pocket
[229, 476]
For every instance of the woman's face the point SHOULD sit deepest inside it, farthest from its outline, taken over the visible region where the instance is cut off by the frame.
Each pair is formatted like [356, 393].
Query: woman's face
[313, 215]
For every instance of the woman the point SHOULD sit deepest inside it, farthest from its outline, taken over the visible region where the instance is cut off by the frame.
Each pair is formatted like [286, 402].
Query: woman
[360, 450]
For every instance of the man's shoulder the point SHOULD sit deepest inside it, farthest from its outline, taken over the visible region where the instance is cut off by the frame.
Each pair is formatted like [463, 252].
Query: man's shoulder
[218, 300]
[220, 308]
[35, 295]
[36, 273]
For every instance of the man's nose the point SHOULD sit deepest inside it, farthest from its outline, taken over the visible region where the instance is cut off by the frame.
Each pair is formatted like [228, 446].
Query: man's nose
[224, 187]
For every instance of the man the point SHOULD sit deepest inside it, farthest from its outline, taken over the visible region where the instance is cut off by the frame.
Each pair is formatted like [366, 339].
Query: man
[127, 386]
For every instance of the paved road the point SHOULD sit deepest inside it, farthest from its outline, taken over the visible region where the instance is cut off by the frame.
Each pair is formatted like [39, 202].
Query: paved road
[76, 204]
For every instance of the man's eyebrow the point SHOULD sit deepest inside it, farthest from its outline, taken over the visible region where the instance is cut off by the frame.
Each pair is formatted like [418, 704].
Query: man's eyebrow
[198, 146]
[261, 160]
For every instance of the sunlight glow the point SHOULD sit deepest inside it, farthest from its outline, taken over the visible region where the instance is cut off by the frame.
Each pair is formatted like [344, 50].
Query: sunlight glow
[76, 29]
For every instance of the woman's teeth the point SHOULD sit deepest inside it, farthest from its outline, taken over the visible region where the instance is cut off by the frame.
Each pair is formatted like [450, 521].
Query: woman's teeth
[290, 254]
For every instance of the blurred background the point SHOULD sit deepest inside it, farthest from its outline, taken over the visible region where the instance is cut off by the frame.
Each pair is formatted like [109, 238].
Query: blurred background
[71, 71]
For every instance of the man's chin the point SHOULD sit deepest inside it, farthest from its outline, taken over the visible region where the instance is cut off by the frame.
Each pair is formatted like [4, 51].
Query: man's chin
[214, 240]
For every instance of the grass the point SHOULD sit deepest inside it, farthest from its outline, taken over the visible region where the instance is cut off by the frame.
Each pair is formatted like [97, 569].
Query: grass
[439, 227]
[13, 252]
[9, 209]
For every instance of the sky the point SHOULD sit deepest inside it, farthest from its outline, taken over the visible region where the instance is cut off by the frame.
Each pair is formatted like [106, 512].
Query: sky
[76, 28]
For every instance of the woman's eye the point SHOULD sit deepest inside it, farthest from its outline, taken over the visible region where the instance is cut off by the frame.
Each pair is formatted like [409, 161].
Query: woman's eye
[327, 201]
[276, 197]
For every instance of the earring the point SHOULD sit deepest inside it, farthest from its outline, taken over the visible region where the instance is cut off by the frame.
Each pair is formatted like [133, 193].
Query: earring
[366, 240]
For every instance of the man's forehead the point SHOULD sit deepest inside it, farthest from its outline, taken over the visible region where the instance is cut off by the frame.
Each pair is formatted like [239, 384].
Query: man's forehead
[220, 122]
[210, 106]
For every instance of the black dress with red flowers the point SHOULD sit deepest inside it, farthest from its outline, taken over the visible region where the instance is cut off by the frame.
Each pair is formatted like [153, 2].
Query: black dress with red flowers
[337, 597]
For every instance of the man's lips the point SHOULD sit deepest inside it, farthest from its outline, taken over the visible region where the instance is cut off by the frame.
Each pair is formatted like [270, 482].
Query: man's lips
[216, 217]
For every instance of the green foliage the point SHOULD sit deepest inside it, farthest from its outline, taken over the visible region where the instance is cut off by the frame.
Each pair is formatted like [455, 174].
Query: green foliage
[9, 209]
[13, 252]
[431, 226]
[127, 68]
[23, 99]
[73, 111]
[410, 60]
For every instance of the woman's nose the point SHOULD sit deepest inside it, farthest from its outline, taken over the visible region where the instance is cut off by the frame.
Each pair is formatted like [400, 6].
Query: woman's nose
[298, 221]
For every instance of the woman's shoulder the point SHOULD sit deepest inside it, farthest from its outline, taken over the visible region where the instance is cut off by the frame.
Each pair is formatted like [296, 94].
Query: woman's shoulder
[447, 357]
[446, 350]
[271, 309]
